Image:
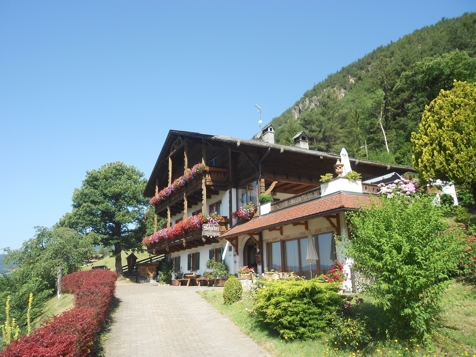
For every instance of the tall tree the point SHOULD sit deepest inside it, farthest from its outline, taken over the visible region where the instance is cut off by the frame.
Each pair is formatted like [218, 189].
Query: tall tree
[51, 248]
[110, 205]
[445, 146]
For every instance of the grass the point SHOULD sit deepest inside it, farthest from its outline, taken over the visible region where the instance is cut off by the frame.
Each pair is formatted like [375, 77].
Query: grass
[110, 262]
[454, 336]
[53, 307]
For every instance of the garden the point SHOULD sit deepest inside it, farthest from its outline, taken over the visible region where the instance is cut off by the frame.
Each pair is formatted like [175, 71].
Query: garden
[417, 266]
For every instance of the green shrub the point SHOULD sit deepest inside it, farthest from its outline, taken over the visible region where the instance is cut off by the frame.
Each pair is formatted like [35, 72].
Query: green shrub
[232, 291]
[297, 309]
[326, 178]
[462, 215]
[447, 204]
[265, 198]
[407, 254]
[465, 196]
[349, 333]
[353, 176]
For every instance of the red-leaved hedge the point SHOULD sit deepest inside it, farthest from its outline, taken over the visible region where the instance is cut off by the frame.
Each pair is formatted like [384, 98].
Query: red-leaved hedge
[72, 333]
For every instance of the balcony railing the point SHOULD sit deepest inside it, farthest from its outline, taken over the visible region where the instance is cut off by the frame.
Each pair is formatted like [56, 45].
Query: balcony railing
[207, 234]
[216, 178]
[315, 194]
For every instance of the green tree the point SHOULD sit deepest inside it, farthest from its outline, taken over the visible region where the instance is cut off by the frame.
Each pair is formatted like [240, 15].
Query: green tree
[406, 254]
[422, 82]
[110, 206]
[51, 248]
[445, 146]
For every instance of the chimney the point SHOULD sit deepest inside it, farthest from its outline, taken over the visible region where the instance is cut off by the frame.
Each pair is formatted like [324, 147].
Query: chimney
[267, 134]
[301, 140]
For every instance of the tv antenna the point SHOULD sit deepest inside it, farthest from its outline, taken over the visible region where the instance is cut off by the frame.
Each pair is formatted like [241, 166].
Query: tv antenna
[259, 109]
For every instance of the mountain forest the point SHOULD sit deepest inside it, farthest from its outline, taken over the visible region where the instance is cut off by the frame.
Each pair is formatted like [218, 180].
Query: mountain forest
[372, 106]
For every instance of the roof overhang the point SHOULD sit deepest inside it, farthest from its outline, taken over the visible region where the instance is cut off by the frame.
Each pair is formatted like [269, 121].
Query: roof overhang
[341, 201]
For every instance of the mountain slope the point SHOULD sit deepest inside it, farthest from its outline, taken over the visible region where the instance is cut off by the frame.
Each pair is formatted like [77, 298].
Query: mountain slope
[383, 94]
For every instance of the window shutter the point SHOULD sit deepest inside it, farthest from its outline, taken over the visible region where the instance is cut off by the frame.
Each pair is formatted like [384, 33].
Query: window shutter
[197, 267]
[189, 263]
[178, 264]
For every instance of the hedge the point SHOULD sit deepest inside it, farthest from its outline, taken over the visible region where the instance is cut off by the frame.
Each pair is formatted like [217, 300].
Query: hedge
[74, 332]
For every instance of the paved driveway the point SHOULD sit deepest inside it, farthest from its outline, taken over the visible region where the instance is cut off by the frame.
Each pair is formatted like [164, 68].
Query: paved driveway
[173, 321]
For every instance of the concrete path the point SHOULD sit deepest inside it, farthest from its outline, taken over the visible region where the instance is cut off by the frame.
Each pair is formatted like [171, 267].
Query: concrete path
[172, 321]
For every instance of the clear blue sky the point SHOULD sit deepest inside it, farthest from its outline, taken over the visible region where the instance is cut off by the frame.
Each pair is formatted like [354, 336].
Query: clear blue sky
[84, 83]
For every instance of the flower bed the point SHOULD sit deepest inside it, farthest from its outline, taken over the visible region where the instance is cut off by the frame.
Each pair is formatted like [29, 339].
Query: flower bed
[191, 224]
[178, 183]
[74, 332]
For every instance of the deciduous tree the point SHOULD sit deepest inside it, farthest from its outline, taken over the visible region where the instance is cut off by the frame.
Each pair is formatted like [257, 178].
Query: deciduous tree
[49, 249]
[110, 206]
[445, 146]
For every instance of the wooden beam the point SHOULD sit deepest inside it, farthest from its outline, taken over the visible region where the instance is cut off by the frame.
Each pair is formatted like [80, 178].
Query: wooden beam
[293, 178]
[280, 229]
[204, 186]
[253, 238]
[302, 224]
[271, 187]
[329, 219]
[168, 216]
[234, 243]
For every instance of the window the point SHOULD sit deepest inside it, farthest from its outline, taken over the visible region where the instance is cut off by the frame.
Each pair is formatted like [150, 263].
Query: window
[215, 208]
[177, 267]
[193, 262]
[325, 246]
[290, 255]
[216, 254]
[274, 256]
[213, 162]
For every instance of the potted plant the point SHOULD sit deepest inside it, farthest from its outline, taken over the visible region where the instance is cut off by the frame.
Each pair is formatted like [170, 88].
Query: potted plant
[245, 213]
[326, 178]
[218, 273]
[265, 198]
[245, 273]
[353, 176]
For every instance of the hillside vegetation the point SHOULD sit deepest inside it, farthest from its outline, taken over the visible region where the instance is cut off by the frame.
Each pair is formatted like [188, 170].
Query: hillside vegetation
[377, 101]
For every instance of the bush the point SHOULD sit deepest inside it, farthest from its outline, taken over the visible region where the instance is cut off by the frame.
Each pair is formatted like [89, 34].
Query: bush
[349, 329]
[297, 309]
[349, 333]
[407, 254]
[232, 291]
[74, 332]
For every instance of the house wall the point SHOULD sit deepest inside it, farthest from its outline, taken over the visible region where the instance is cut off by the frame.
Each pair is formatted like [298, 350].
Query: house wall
[316, 226]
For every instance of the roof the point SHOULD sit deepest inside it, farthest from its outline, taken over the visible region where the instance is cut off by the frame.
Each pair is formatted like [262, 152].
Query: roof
[319, 207]
[148, 192]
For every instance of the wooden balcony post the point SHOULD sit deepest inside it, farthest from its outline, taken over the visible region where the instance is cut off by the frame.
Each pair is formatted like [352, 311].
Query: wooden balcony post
[155, 214]
[185, 158]
[262, 187]
[170, 170]
[185, 168]
[204, 179]
[168, 216]
[185, 206]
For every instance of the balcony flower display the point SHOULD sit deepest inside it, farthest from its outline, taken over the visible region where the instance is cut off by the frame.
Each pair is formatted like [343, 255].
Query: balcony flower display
[178, 183]
[246, 212]
[191, 224]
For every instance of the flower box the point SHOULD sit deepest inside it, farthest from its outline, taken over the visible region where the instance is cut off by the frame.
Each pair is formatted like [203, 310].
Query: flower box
[341, 184]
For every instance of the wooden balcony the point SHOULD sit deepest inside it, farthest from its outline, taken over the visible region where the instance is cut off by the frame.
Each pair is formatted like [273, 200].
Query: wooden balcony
[314, 194]
[207, 235]
[216, 179]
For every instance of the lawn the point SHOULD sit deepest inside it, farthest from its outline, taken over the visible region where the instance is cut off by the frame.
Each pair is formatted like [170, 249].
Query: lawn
[110, 262]
[455, 335]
